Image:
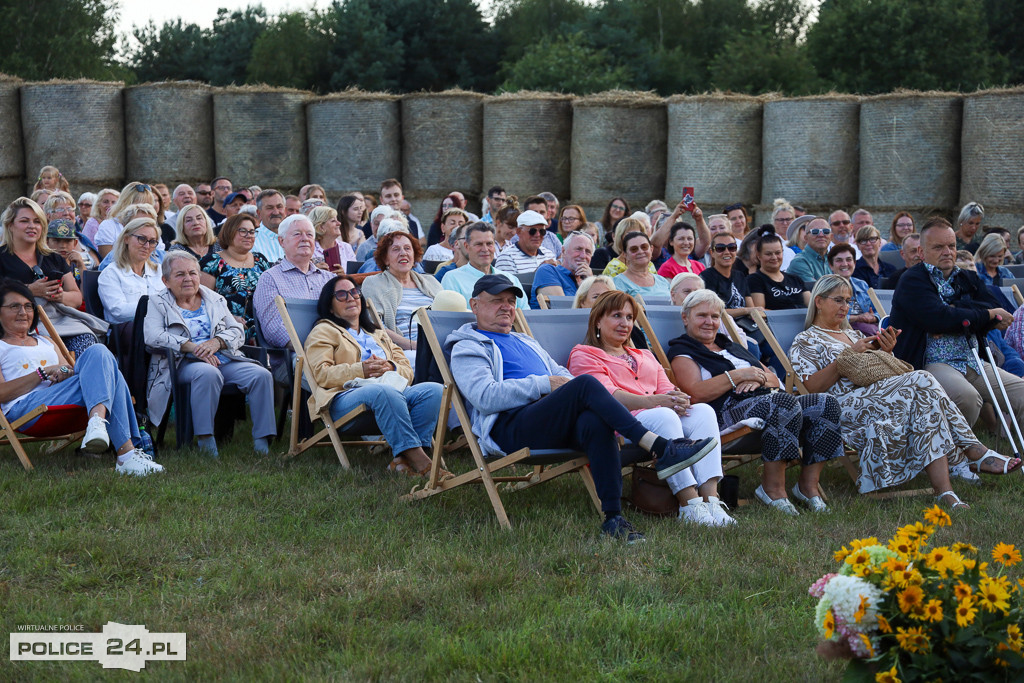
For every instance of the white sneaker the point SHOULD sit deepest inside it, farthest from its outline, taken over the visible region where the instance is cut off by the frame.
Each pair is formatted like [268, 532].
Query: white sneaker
[718, 509]
[696, 512]
[963, 472]
[139, 463]
[96, 439]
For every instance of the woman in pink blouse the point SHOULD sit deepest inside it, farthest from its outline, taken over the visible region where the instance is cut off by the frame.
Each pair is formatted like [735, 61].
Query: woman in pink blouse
[681, 240]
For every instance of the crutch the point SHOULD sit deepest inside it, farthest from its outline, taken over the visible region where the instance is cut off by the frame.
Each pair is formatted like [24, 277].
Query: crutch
[1006, 402]
[991, 392]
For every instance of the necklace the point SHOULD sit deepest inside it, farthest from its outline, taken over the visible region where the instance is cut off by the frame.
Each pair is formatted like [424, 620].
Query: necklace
[829, 332]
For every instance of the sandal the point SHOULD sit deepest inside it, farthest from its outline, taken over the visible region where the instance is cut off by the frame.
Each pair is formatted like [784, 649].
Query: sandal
[957, 503]
[400, 466]
[975, 465]
[442, 474]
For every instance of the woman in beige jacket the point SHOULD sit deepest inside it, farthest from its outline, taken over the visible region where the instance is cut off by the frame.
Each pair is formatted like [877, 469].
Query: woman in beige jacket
[349, 353]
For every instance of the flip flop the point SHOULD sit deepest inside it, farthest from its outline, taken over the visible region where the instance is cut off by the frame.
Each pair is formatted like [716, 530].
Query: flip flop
[975, 465]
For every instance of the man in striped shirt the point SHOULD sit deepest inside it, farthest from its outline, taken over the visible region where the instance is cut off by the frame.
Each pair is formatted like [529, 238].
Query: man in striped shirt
[527, 254]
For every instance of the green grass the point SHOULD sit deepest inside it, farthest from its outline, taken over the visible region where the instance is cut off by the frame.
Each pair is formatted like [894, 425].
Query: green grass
[300, 570]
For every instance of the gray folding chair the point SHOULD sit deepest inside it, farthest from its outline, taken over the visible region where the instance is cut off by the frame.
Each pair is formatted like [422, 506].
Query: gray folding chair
[882, 299]
[558, 302]
[893, 258]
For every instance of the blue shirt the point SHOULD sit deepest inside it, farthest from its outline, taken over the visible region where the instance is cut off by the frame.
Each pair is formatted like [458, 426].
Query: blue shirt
[518, 359]
[368, 344]
[552, 276]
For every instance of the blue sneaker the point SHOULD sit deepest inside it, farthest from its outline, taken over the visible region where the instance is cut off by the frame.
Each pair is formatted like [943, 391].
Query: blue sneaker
[619, 528]
[681, 453]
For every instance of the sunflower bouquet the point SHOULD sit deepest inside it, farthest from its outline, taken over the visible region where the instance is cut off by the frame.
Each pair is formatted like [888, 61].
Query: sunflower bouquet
[908, 610]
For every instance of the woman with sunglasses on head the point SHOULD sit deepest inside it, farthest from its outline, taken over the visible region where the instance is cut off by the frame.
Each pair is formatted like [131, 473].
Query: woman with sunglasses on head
[133, 274]
[770, 288]
[110, 228]
[637, 279]
[234, 271]
[899, 425]
[348, 352]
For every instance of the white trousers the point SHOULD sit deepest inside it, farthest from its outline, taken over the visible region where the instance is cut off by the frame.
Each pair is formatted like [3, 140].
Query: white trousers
[699, 424]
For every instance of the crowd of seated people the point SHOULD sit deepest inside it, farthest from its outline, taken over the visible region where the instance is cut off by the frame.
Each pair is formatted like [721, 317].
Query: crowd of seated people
[212, 280]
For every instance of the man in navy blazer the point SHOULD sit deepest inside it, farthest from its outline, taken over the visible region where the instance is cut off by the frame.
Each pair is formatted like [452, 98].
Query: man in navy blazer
[942, 310]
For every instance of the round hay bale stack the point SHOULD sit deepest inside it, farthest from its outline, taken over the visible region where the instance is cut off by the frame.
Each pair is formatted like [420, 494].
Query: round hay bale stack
[12, 151]
[442, 138]
[260, 136]
[526, 143]
[169, 132]
[618, 148]
[355, 140]
[910, 150]
[992, 152]
[11, 189]
[714, 146]
[77, 126]
[810, 152]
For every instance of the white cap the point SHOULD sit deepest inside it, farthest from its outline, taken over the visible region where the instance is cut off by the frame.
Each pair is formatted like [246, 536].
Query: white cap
[530, 218]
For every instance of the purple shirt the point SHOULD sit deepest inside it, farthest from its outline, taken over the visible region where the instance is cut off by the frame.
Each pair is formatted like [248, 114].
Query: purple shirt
[287, 280]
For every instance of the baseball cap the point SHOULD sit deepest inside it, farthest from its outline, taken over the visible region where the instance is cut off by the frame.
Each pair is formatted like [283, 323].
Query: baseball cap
[61, 229]
[529, 218]
[496, 284]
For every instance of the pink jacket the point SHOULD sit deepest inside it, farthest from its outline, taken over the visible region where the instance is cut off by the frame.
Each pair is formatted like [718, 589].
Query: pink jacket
[615, 373]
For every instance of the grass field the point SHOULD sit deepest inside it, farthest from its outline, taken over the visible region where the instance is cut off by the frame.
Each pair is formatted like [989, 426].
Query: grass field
[300, 570]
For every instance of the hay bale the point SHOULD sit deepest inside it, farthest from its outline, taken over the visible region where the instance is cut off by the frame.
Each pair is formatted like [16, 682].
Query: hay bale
[77, 126]
[11, 189]
[442, 136]
[12, 151]
[810, 150]
[992, 151]
[354, 140]
[714, 146]
[260, 136]
[618, 148]
[169, 132]
[526, 142]
[910, 150]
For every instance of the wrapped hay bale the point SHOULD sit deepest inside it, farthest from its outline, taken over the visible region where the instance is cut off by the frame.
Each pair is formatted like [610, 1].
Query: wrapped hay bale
[714, 146]
[810, 152]
[169, 132]
[526, 143]
[77, 126]
[910, 150]
[618, 148]
[442, 135]
[11, 189]
[12, 151]
[260, 136]
[355, 140]
[992, 155]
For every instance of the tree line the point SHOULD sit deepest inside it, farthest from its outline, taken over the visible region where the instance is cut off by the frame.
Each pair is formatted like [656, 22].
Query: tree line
[669, 46]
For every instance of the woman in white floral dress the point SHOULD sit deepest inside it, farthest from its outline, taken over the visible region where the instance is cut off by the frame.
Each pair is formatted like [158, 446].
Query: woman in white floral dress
[899, 426]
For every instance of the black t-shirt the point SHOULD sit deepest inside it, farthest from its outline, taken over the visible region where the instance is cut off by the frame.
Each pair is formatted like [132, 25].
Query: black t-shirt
[732, 291]
[216, 216]
[13, 267]
[778, 296]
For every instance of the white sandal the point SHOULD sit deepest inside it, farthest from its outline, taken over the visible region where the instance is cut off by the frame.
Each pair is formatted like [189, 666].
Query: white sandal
[957, 503]
[975, 465]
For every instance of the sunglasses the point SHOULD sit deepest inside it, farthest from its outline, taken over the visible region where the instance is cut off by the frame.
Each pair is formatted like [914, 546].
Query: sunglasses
[346, 294]
[725, 247]
[841, 222]
[143, 188]
[820, 231]
[146, 243]
[205, 192]
[532, 232]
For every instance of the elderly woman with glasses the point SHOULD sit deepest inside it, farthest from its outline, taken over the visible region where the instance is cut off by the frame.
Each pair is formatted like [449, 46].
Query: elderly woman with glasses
[194, 323]
[899, 426]
[870, 268]
[133, 274]
[111, 227]
[350, 356]
[234, 271]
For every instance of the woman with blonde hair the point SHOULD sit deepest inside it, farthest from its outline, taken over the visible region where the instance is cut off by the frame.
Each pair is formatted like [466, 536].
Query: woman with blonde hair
[613, 252]
[988, 260]
[193, 232]
[110, 228]
[133, 273]
[328, 226]
[105, 200]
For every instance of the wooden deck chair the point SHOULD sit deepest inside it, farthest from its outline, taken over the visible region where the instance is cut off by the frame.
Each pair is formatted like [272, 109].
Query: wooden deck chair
[299, 316]
[543, 302]
[662, 323]
[882, 302]
[437, 325]
[1018, 298]
[62, 425]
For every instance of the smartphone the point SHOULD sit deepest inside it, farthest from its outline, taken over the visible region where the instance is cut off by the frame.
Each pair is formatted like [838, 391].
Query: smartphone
[55, 275]
[688, 198]
[333, 257]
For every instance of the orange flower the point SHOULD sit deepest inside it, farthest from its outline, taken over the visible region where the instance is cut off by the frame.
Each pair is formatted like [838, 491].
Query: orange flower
[887, 676]
[937, 516]
[912, 639]
[962, 591]
[867, 644]
[1006, 554]
[883, 624]
[965, 612]
[861, 609]
[910, 598]
[933, 610]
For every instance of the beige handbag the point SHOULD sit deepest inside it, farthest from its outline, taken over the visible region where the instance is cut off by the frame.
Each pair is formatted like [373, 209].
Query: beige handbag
[867, 367]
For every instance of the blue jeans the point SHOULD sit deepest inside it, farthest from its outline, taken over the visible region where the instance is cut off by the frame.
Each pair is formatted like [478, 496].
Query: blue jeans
[97, 381]
[406, 418]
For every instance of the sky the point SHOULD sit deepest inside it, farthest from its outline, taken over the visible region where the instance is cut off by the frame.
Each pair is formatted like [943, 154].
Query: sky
[201, 12]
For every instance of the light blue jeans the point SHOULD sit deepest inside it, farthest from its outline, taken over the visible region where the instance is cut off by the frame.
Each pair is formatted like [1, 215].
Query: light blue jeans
[406, 418]
[97, 380]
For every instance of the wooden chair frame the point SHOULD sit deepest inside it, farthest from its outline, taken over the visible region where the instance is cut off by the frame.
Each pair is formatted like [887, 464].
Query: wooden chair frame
[9, 429]
[484, 470]
[331, 427]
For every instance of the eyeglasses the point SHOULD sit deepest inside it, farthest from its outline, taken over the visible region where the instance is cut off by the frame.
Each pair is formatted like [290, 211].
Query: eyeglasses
[570, 219]
[62, 209]
[725, 247]
[840, 301]
[780, 219]
[618, 207]
[246, 232]
[532, 232]
[146, 243]
[346, 294]
[14, 308]
[905, 225]
[820, 231]
[869, 240]
[841, 222]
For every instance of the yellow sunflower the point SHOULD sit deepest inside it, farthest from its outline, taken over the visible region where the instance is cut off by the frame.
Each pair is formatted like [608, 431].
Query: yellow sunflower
[1006, 554]
[867, 644]
[909, 598]
[1013, 638]
[933, 610]
[962, 591]
[883, 624]
[887, 676]
[840, 554]
[937, 516]
[964, 548]
[861, 609]
[993, 595]
[912, 639]
[859, 543]
[829, 625]
[965, 612]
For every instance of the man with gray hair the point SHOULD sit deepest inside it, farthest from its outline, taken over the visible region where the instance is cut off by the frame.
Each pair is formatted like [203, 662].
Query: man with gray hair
[270, 209]
[842, 229]
[295, 277]
[861, 218]
[366, 249]
[477, 244]
[565, 278]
